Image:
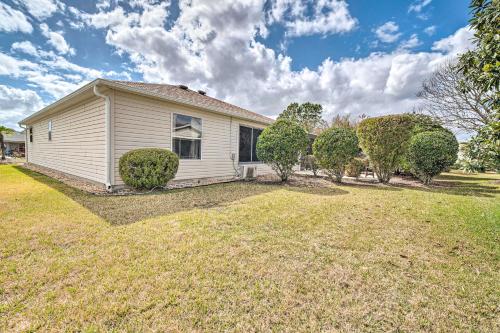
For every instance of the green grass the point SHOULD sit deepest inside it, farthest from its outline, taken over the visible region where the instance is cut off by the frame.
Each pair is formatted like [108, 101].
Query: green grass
[250, 257]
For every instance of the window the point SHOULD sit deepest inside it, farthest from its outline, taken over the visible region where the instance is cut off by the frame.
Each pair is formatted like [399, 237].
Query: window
[186, 137]
[248, 144]
[31, 134]
[50, 130]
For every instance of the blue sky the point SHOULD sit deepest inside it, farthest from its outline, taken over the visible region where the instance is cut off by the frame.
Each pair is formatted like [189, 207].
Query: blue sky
[354, 57]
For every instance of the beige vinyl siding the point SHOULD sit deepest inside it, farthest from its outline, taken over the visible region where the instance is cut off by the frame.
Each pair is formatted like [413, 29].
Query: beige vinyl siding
[141, 122]
[78, 141]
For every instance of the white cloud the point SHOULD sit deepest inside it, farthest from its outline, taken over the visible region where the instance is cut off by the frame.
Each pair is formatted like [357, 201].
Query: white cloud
[214, 48]
[410, 43]
[42, 9]
[12, 20]
[14, 67]
[459, 42]
[431, 30]
[25, 47]
[388, 32]
[56, 39]
[16, 104]
[418, 5]
[327, 17]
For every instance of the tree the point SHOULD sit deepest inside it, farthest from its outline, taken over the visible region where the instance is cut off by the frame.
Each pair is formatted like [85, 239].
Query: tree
[280, 145]
[385, 140]
[334, 149]
[4, 130]
[482, 65]
[430, 153]
[454, 101]
[308, 115]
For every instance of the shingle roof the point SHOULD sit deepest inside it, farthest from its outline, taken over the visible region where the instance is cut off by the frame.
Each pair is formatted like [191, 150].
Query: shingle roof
[194, 98]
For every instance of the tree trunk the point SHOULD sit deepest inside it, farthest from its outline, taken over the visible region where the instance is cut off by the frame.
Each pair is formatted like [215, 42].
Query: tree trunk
[2, 147]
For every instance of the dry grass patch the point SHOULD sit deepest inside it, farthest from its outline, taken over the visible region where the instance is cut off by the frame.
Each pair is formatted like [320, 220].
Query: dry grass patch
[261, 258]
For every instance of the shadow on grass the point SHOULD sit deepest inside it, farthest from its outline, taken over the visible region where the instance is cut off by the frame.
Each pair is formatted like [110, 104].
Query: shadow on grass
[119, 210]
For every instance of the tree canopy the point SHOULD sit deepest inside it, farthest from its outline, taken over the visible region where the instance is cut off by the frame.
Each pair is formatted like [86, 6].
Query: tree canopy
[308, 115]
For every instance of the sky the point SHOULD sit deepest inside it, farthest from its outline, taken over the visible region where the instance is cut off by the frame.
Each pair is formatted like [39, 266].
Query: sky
[353, 57]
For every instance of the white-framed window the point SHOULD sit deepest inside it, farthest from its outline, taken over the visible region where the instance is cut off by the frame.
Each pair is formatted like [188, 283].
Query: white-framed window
[248, 144]
[186, 136]
[31, 133]
[49, 127]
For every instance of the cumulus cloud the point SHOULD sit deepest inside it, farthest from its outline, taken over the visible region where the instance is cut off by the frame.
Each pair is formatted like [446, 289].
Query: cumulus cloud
[57, 40]
[410, 43]
[12, 20]
[16, 104]
[327, 17]
[42, 9]
[388, 32]
[216, 48]
[459, 42]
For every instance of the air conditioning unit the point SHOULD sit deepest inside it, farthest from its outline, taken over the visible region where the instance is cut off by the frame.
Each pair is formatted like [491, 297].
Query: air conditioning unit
[248, 172]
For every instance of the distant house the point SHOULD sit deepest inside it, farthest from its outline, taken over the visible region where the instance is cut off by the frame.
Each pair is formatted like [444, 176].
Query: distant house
[85, 133]
[14, 143]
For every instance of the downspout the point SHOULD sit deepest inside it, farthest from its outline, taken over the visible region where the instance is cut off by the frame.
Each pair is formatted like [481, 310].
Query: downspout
[107, 126]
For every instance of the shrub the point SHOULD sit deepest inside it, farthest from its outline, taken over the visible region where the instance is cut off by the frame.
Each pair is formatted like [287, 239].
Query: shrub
[148, 168]
[355, 167]
[385, 140]
[334, 148]
[431, 153]
[280, 145]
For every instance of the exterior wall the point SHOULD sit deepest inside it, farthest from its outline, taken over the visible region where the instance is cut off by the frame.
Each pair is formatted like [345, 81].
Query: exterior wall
[140, 122]
[78, 141]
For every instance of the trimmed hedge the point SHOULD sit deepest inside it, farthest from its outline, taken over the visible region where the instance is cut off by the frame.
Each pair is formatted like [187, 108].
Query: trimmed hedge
[148, 168]
[334, 148]
[431, 153]
[385, 141]
[280, 145]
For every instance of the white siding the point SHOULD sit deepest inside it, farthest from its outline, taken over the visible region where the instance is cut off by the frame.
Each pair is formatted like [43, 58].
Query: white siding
[141, 122]
[78, 141]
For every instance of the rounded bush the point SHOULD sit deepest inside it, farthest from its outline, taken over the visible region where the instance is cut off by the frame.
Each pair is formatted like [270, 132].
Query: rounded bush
[385, 141]
[280, 145]
[431, 153]
[355, 167]
[334, 149]
[148, 168]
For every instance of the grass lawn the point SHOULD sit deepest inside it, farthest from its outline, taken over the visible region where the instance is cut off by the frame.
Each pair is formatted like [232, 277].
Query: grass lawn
[250, 257]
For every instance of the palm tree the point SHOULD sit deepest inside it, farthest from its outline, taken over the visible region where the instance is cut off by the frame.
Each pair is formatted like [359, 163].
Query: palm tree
[4, 130]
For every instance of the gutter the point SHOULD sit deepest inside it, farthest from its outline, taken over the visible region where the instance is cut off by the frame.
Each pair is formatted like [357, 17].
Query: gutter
[107, 126]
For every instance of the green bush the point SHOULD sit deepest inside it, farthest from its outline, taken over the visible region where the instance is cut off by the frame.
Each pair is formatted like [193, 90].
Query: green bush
[148, 168]
[334, 148]
[355, 167]
[421, 123]
[385, 141]
[280, 145]
[431, 153]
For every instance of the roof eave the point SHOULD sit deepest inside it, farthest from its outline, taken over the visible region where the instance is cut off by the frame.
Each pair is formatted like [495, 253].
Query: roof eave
[114, 85]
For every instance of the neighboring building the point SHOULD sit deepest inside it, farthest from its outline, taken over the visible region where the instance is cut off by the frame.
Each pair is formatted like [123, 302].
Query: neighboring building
[85, 133]
[14, 143]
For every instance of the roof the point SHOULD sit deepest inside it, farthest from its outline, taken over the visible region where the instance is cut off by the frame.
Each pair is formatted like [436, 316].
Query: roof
[167, 92]
[14, 137]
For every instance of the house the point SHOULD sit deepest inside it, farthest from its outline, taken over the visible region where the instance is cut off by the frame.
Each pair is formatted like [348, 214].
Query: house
[86, 132]
[14, 143]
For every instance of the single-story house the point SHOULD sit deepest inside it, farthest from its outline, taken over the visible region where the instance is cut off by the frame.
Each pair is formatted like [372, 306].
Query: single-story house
[14, 143]
[86, 132]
